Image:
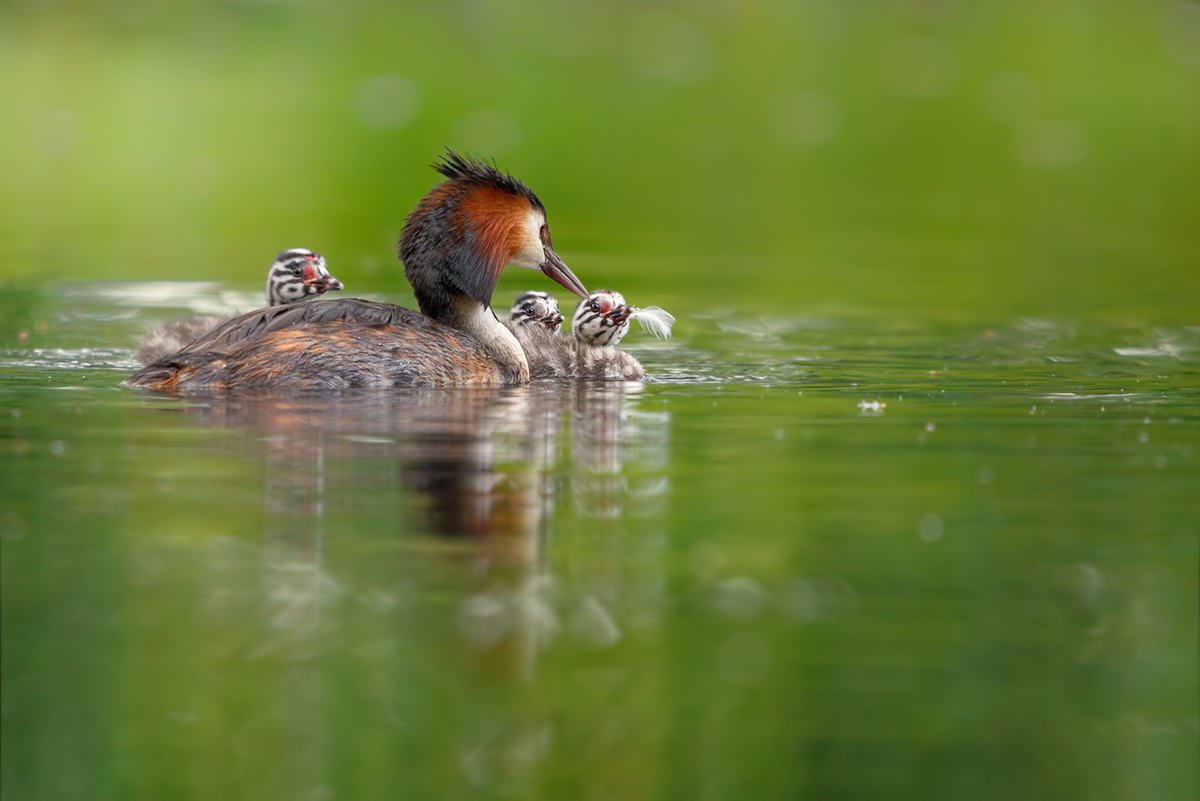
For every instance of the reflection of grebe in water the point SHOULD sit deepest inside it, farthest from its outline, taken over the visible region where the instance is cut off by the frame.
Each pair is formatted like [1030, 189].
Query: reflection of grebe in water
[296, 274]
[454, 245]
[601, 321]
[355, 485]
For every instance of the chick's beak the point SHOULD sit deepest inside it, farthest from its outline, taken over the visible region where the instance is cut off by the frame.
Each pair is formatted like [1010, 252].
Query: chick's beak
[554, 268]
[323, 283]
[620, 314]
[553, 319]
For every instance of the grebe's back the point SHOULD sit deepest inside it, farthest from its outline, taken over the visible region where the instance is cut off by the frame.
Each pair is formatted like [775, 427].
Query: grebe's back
[296, 274]
[328, 344]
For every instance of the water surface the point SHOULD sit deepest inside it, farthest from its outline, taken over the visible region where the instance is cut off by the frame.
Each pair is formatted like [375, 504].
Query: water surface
[808, 557]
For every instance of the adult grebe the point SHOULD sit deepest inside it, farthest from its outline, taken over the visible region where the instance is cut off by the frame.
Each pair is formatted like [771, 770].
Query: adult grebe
[453, 246]
[296, 274]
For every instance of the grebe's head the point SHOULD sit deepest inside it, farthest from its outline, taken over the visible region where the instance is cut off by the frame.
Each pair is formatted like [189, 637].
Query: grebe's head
[601, 319]
[296, 274]
[463, 233]
[536, 308]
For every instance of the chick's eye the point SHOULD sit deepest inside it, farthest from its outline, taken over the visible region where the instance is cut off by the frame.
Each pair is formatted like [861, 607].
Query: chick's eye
[594, 306]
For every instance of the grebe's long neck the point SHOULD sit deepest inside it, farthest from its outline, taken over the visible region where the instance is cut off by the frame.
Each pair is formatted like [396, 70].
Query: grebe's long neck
[481, 323]
[453, 276]
[457, 240]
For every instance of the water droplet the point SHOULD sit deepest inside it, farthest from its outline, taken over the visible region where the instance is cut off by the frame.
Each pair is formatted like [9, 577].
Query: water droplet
[740, 597]
[592, 623]
[930, 528]
[806, 119]
[1048, 145]
[483, 620]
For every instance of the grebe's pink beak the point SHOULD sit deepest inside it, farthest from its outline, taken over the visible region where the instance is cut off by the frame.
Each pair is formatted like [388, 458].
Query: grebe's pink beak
[554, 268]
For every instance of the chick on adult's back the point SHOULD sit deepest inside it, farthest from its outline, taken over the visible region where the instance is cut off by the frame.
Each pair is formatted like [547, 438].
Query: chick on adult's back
[296, 274]
[453, 246]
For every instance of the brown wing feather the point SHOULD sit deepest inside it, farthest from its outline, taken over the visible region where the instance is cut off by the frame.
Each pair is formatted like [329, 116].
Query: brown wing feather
[324, 345]
[246, 328]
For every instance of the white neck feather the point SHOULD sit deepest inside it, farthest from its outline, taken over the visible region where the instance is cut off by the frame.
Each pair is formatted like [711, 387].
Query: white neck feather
[481, 323]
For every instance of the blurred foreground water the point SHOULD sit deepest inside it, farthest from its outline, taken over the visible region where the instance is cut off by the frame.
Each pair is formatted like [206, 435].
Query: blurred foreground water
[809, 557]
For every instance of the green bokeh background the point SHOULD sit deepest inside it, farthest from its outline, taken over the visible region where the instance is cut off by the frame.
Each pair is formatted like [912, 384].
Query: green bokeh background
[893, 185]
[950, 158]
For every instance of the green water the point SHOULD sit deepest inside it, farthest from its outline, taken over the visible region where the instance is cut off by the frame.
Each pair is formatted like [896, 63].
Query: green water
[731, 581]
[740, 579]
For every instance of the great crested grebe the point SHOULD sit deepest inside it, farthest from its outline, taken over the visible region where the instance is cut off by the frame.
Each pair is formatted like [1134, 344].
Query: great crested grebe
[601, 320]
[454, 245]
[296, 274]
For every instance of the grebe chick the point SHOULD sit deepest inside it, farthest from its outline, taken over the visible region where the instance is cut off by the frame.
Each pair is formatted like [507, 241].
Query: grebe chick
[535, 308]
[601, 321]
[296, 274]
[453, 246]
[534, 320]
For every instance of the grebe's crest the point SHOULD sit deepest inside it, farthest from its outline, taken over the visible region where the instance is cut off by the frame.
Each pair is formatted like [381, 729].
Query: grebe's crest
[296, 274]
[468, 171]
[470, 226]
[536, 308]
